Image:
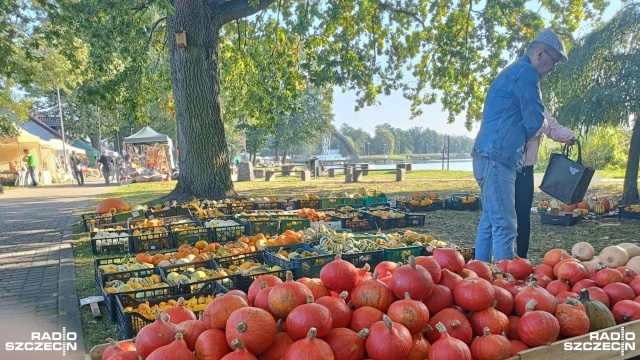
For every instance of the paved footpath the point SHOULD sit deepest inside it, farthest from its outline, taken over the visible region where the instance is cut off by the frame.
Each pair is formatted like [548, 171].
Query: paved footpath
[37, 278]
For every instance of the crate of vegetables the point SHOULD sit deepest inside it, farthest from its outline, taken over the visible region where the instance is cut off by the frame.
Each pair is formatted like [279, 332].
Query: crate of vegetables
[92, 219]
[110, 239]
[302, 259]
[249, 267]
[151, 239]
[133, 314]
[293, 224]
[188, 233]
[225, 229]
[191, 277]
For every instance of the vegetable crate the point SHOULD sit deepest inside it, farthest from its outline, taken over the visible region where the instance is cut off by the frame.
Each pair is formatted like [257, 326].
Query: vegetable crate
[293, 224]
[223, 208]
[92, 219]
[129, 323]
[111, 245]
[308, 204]
[401, 254]
[370, 200]
[355, 225]
[330, 203]
[159, 238]
[467, 253]
[456, 202]
[435, 205]
[562, 218]
[172, 221]
[230, 282]
[224, 234]
[246, 279]
[311, 266]
[266, 206]
[124, 276]
[414, 220]
[389, 223]
[286, 205]
[189, 236]
[626, 214]
[238, 207]
[266, 227]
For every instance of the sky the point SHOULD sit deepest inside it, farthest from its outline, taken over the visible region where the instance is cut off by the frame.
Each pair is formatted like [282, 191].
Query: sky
[395, 110]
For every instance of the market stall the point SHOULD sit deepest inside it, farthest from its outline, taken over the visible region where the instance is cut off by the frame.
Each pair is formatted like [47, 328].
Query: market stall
[149, 156]
[92, 153]
[11, 154]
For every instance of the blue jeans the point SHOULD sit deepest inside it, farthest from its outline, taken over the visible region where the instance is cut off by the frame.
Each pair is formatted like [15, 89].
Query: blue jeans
[498, 224]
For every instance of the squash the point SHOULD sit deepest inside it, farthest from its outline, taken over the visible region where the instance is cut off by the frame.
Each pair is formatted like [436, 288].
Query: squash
[583, 251]
[632, 250]
[106, 205]
[598, 209]
[600, 317]
[613, 256]
[634, 263]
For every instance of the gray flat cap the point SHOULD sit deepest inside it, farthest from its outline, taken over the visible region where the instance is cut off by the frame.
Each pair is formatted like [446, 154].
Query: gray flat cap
[552, 39]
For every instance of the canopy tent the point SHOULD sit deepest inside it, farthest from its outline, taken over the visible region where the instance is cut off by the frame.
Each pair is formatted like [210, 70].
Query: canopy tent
[12, 148]
[148, 136]
[92, 153]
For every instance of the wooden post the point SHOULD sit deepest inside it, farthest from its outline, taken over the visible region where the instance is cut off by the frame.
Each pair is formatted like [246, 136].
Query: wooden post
[357, 175]
[365, 169]
[400, 174]
[332, 172]
[348, 174]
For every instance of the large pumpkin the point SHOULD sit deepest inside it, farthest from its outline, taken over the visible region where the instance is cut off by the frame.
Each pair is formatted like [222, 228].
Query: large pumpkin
[105, 206]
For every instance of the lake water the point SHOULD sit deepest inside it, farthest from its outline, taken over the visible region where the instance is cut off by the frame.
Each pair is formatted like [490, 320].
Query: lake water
[461, 164]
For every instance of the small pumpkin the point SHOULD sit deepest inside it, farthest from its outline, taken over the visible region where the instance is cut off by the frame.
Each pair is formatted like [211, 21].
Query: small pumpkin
[599, 315]
[255, 327]
[388, 340]
[490, 346]
[531, 324]
[106, 205]
[309, 348]
[413, 314]
[572, 318]
[448, 347]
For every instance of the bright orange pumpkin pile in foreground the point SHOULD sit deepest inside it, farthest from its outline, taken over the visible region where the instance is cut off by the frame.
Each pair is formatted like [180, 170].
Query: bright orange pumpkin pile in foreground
[434, 307]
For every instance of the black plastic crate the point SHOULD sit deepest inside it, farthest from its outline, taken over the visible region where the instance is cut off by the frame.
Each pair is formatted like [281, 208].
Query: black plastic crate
[304, 267]
[124, 276]
[245, 278]
[355, 225]
[308, 204]
[388, 223]
[266, 206]
[156, 241]
[129, 323]
[414, 220]
[457, 204]
[287, 205]
[626, 214]
[401, 254]
[172, 221]
[230, 281]
[189, 236]
[92, 219]
[241, 206]
[293, 224]
[433, 207]
[266, 227]
[107, 246]
[224, 208]
[562, 218]
[224, 234]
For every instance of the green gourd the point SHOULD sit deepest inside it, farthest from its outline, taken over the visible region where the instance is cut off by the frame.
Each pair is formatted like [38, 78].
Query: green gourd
[600, 317]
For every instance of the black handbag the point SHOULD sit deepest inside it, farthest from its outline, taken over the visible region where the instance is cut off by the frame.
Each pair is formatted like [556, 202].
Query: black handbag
[565, 179]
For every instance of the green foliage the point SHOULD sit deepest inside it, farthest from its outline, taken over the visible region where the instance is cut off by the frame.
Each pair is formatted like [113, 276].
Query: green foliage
[605, 148]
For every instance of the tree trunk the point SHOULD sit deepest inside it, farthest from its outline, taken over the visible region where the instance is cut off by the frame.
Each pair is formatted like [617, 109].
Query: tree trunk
[630, 188]
[195, 79]
[95, 141]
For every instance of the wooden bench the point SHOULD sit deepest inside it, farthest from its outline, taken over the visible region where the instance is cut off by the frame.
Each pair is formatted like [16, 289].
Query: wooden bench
[361, 166]
[270, 175]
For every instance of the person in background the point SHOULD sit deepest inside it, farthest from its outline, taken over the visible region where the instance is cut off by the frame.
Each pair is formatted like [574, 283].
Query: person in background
[106, 162]
[30, 159]
[76, 167]
[524, 179]
[512, 114]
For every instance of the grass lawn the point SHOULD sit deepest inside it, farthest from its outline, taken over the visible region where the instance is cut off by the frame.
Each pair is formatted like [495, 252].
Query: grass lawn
[458, 227]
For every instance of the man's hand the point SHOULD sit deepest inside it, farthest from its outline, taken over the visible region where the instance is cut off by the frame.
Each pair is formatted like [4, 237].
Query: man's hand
[571, 142]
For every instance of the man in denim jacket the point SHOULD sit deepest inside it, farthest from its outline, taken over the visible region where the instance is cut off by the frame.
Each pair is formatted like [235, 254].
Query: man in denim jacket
[513, 114]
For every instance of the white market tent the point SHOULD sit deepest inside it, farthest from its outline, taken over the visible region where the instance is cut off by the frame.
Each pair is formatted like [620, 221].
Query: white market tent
[149, 136]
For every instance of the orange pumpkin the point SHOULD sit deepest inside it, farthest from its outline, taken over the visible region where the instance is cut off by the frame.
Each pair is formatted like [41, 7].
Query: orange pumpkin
[570, 207]
[105, 206]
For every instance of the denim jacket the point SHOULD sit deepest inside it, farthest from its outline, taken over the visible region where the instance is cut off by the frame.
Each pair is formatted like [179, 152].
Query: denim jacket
[513, 114]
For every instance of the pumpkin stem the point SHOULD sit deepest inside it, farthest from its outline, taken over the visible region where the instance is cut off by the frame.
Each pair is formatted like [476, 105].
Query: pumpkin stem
[572, 301]
[584, 295]
[454, 324]
[263, 285]
[486, 331]
[312, 333]
[309, 299]
[362, 334]
[289, 275]
[343, 295]
[412, 261]
[375, 274]
[441, 328]
[510, 278]
[112, 343]
[180, 301]
[337, 258]
[279, 325]
[494, 303]
[241, 327]
[531, 304]
[407, 296]
[366, 267]
[237, 344]
[387, 321]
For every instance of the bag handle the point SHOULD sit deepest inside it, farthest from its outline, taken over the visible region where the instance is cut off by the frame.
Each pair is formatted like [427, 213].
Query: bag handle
[565, 151]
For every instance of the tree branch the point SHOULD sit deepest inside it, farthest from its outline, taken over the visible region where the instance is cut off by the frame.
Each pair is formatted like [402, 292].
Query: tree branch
[238, 9]
[388, 7]
[145, 5]
[153, 28]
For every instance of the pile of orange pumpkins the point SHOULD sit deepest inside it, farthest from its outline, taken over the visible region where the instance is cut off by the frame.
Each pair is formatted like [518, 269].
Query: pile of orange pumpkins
[435, 307]
[584, 207]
